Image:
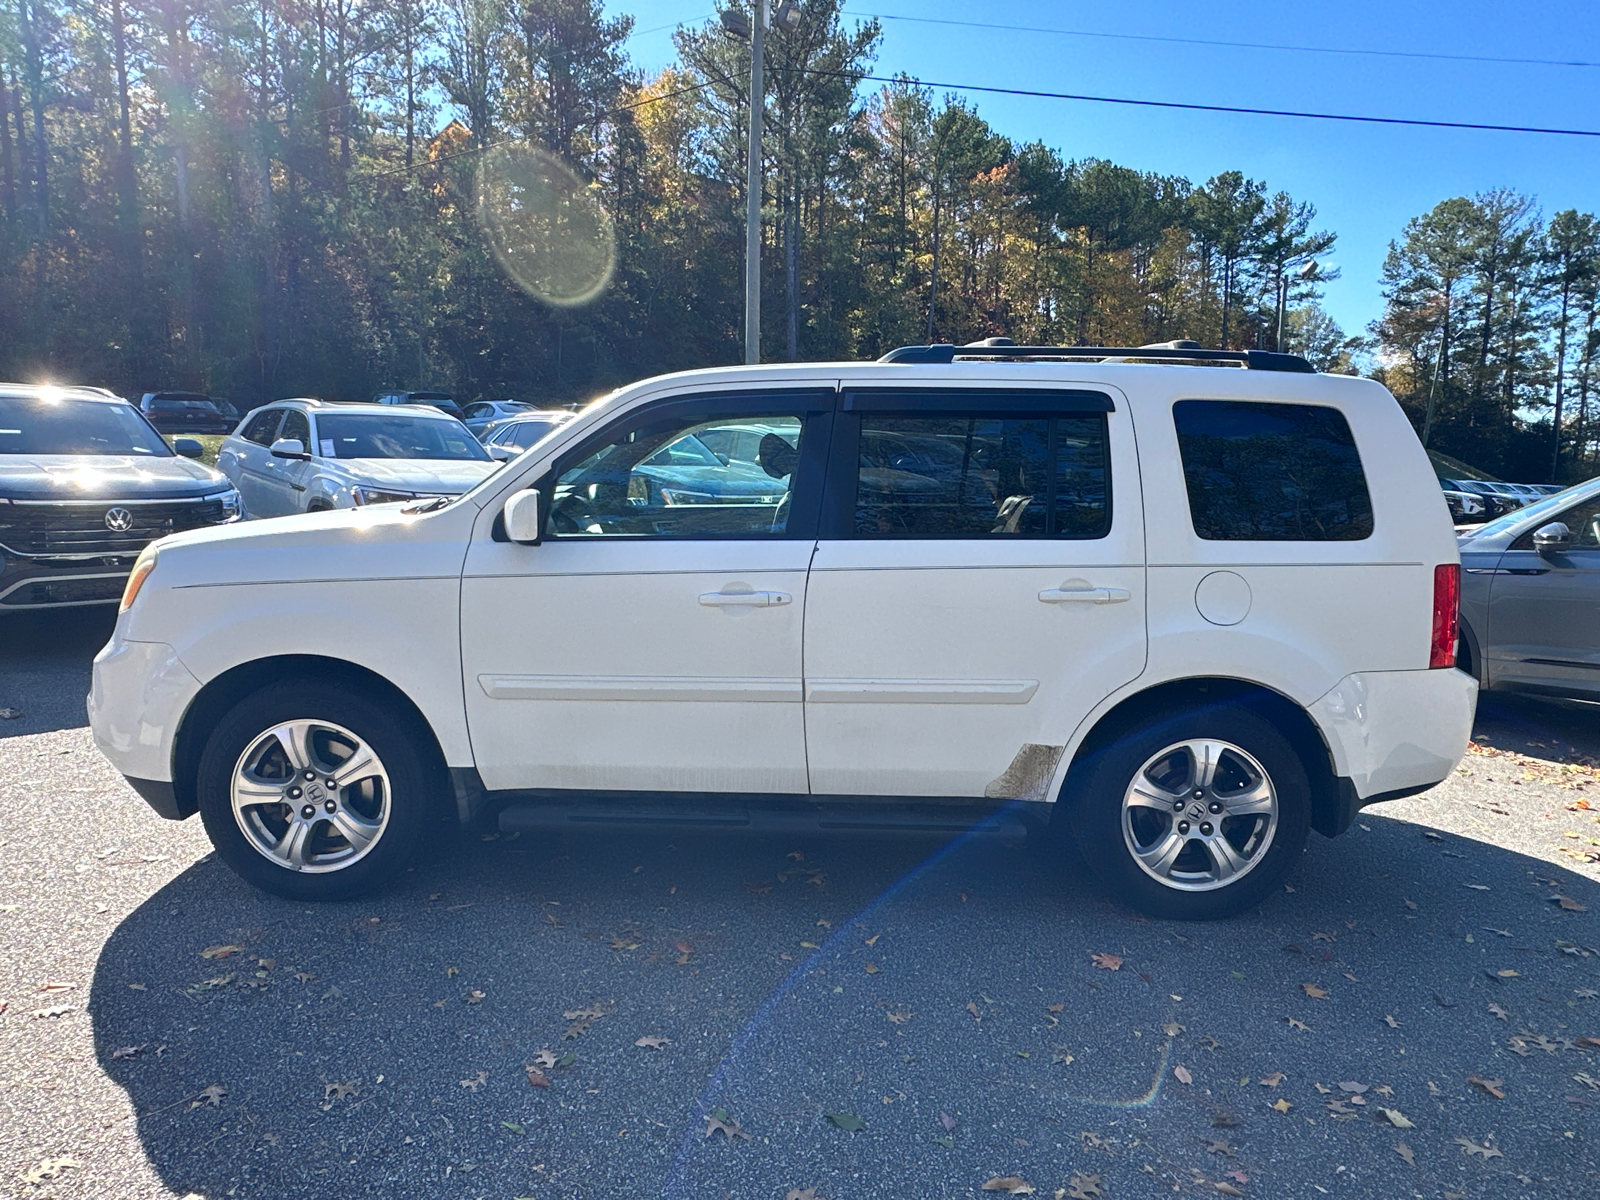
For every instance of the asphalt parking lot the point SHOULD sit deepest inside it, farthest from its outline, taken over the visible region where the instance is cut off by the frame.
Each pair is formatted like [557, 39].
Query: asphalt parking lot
[566, 1017]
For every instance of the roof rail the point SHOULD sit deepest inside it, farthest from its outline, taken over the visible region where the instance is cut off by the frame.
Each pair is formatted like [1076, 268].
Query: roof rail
[1174, 351]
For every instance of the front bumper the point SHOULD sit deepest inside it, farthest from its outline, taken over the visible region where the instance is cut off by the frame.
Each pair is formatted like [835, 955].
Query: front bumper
[1397, 732]
[139, 693]
[52, 583]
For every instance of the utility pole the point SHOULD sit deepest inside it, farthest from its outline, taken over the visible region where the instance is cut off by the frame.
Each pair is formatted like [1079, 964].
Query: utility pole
[752, 184]
[786, 18]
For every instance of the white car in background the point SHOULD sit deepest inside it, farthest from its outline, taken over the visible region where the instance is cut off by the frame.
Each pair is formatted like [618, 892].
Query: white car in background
[299, 456]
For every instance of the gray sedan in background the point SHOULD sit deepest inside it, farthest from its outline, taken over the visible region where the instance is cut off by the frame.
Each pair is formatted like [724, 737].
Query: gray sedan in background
[1530, 597]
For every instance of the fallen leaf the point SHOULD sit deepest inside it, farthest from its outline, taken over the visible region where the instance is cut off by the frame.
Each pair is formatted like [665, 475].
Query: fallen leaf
[1218, 1146]
[1172, 1029]
[1315, 992]
[1061, 1055]
[873, 940]
[513, 1126]
[1498, 1011]
[1273, 1080]
[1181, 1073]
[476, 1082]
[340, 1091]
[304, 976]
[1300, 1025]
[1568, 904]
[212, 1095]
[1396, 1118]
[899, 1015]
[1054, 1008]
[11, 714]
[46, 1168]
[475, 996]
[871, 968]
[652, 1042]
[451, 972]
[128, 1051]
[809, 946]
[1469, 1148]
[972, 1007]
[1404, 1151]
[1107, 962]
[1390, 1021]
[1084, 1187]
[947, 1121]
[537, 1078]
[1282, 1106]
[220, 951]
[1354, 1088]
[719, 1120]
[848, 1122]
[1014, 1184]
[1492, 1086]
[1227, 1189]
[545, 1058]
[1508, 973]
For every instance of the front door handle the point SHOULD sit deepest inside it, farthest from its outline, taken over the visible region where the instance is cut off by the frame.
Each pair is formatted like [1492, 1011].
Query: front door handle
[745, 599]
[1093, 595]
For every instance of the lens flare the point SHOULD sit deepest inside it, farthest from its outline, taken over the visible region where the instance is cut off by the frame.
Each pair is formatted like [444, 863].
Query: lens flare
[545, 225]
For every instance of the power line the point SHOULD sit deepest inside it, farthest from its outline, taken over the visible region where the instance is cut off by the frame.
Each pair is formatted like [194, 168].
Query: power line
[1183, 41]
[1217, 108]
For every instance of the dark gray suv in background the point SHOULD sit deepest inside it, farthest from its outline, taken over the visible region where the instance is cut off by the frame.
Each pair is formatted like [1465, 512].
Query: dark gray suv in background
[85, 484]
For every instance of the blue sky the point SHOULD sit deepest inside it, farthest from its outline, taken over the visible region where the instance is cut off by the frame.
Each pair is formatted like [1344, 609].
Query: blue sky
[1365, 180]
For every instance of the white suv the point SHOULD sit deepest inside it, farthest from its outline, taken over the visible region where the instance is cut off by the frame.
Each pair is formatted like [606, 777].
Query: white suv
[1185, 610]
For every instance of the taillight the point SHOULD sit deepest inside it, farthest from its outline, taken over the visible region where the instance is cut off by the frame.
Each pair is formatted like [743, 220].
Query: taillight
[1446, 614]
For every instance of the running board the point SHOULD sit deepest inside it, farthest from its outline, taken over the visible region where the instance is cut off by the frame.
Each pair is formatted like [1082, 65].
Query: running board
[908, 818]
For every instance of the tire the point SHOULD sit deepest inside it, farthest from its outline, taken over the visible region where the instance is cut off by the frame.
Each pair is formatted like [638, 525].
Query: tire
[350, 838]
[1188, 872]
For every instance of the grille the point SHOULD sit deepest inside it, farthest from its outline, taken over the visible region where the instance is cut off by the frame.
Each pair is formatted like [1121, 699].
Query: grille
[50, 528]
[66, 591]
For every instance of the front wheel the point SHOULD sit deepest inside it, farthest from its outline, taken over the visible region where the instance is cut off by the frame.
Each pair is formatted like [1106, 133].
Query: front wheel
[314, 791]
[1196, 816]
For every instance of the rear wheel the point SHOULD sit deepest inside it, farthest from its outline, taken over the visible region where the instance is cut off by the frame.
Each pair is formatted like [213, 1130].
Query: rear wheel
[314, 791]
[1196, 816]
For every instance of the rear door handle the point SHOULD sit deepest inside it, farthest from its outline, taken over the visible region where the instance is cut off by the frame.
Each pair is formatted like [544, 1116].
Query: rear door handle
[745, 599]
[1099, 595]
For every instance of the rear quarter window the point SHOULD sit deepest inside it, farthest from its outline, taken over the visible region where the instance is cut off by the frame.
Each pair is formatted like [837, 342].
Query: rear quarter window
[1271, 472]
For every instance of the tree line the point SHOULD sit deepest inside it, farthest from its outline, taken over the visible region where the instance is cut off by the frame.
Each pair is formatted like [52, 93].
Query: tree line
[259, 198]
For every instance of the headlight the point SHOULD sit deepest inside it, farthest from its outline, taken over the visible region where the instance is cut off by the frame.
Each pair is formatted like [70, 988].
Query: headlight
[367, 495]
[676, 496]
[230, 503]
[142, 566]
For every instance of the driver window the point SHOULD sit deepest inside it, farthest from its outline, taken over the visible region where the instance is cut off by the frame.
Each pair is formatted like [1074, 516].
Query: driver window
[1582, 519]
[296, 426]
[674, 478]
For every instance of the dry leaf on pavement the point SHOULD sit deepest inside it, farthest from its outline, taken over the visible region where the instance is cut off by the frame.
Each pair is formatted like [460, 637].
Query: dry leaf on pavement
[1084, 1187]
[972, 1007]
[545, 1058]
[1469, 1148]
[212, 1095]
[1282, 1106]
[848, 1122]
[652, 1042]
[1226, 1188]
[537, 1078]
[220, 951]
[1273, 1080]
[1015, 1185]
[476, 1082]
[1173, 1029]
[1315, 992]
[1181, 1073]
[1396, 1118]
[340, 1091]
[1404, 1151]
[720, 1120]
[1492, 1086]
[1568, 904]
[1300, 1025]
[899, 1015]
[1107, 962]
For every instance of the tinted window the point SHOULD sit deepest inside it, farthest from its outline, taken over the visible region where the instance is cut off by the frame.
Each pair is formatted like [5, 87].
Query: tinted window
[48, 425]
[525, 433]
[1583, 520]
[1271, 472]
[395, 435]
[295, 425]
[262, 426]
[969, 475]
[479, 410]
[663, 481]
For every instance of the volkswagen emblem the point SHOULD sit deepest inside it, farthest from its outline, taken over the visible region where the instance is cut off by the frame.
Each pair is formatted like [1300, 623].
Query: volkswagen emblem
[119, 520]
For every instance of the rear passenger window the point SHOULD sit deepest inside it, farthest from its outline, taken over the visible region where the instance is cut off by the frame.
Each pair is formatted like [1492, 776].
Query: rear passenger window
[1271, 472]
[969, 475]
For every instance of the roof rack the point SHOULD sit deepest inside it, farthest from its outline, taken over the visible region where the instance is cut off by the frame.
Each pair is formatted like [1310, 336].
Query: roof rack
[1176, 351]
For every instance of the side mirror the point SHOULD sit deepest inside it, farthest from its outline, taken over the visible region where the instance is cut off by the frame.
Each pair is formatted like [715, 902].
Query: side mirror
[522, 517]
[290, 448]
[502, 453]
[188, 447]
[722, 458]
[1554, 538]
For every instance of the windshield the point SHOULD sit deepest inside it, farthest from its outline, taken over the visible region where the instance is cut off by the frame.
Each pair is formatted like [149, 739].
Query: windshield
[40, 425]
[385, 435]
[1539, 508]
[182, 405]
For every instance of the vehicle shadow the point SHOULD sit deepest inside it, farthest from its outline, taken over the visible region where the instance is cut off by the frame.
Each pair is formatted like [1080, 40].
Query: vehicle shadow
[562, 1017]
[45, 661]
